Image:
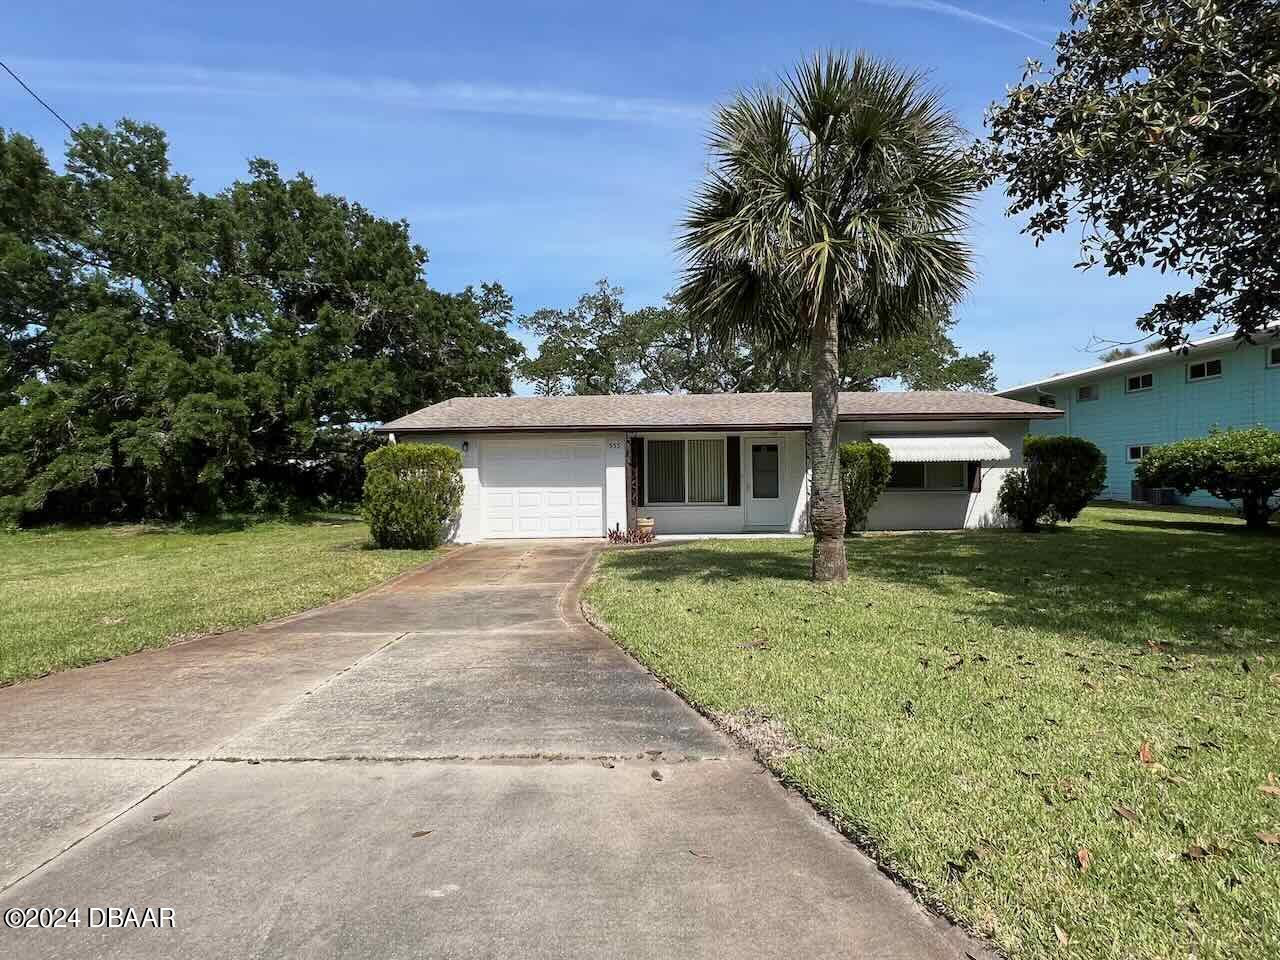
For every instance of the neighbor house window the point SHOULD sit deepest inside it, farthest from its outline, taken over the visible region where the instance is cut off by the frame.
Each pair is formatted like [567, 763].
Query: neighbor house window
[1047, 400]
[1138, 451]
[1204, 370]
[1137, 382]
[929, 476]
[1273, 357]
[1086, 393]
[685, 470]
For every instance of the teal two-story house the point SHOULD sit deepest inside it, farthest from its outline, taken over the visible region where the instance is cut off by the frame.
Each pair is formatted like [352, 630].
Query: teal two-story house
[1127, 406]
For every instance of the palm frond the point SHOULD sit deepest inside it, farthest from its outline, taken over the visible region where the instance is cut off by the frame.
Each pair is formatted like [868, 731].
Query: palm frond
[844, 192]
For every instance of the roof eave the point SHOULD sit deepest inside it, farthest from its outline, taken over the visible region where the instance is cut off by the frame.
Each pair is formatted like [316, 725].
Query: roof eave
[1208, 344]
[1044, 413]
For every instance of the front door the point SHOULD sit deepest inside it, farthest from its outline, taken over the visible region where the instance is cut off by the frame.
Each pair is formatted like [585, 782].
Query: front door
[765, 482]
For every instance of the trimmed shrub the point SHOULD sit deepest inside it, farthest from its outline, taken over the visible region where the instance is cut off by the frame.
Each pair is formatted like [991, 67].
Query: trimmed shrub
[411, 492]
[1239, 465]
[864, 473]
[1022, 497]
[1061, 476]
[1072, 471]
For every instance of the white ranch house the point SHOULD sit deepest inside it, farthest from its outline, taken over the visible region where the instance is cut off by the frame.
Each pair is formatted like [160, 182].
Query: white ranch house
[579, 466]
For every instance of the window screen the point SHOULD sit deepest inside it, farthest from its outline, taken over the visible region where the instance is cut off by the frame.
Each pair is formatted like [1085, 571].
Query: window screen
[666, 471]
[764, 471]
[706, 471]
[906, 476]
[947, 476]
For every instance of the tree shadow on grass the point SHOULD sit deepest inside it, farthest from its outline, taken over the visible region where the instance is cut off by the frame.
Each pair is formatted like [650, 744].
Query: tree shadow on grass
[1220, 528]
[1132, 587]
[1129, 586]
[214, 525]
[237, 523]
[708, 563]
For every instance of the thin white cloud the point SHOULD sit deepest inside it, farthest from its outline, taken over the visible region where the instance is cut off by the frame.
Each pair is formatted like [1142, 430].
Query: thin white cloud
[957, 12]
[175, 80]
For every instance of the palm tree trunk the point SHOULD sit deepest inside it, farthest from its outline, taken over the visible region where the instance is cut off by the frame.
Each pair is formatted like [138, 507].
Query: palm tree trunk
[826, 501]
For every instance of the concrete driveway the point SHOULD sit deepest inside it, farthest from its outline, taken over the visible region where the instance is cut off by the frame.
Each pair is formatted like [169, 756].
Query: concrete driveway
[454, 765]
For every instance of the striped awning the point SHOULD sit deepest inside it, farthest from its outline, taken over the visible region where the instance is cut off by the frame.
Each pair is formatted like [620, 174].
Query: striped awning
[937, 449]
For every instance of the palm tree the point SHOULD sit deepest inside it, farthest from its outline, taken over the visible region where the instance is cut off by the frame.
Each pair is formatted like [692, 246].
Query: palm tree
[834, 208]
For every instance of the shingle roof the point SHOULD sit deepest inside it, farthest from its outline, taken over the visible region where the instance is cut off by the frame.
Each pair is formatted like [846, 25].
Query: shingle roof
[714, 410]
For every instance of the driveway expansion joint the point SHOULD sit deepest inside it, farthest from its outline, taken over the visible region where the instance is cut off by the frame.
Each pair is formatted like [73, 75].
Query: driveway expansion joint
[103, 825]
[496, 758]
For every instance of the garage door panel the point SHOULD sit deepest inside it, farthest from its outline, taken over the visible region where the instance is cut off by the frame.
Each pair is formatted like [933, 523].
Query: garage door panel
[544, 488]
[560, 527]
[501, 526]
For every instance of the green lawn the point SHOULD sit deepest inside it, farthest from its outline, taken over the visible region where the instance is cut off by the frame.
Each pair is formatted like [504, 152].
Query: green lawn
[977, 708]
[74, 596]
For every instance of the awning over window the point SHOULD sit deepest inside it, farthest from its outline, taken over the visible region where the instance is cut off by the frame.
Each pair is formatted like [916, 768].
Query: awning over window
[925, 449]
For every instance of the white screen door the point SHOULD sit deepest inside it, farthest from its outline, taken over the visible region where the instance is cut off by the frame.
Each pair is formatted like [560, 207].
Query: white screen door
[765, 482]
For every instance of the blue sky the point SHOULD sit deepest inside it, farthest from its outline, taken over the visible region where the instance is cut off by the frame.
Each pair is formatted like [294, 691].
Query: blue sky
[543, 145]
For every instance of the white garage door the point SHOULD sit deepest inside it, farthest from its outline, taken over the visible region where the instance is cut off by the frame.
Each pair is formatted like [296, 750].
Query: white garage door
[543, 488]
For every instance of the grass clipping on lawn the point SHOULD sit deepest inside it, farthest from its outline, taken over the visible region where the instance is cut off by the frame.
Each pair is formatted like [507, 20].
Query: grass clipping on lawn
[1069, 741]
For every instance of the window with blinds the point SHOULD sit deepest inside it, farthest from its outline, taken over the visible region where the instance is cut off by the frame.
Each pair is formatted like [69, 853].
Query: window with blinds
[666, 471]
[685, 471]
[706, 470]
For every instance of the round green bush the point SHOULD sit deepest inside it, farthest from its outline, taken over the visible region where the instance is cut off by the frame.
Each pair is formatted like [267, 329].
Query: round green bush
[1234, 464]
[1071, 470]
[1061, 476]
[864, 473]
[412, 492]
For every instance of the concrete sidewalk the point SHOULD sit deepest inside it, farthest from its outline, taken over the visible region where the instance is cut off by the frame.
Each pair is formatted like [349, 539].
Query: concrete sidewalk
[452, 766]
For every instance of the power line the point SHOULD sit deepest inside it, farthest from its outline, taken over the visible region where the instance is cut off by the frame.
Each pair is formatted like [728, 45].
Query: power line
[22, 83]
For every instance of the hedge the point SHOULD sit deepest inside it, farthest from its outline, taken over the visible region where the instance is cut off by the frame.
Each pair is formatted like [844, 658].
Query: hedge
[864, 473]
[1239, 465]
[412, 492]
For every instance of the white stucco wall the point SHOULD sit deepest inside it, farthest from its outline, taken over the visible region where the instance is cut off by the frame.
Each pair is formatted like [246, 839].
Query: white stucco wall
[896, 510]
[938, 509]
[615, 482]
